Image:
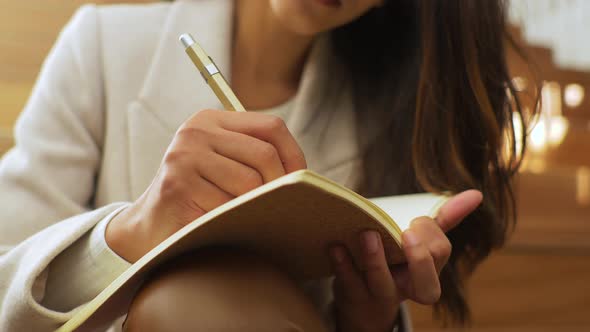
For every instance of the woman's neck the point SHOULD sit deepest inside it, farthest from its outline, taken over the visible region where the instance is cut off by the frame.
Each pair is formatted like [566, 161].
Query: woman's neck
[267, 59]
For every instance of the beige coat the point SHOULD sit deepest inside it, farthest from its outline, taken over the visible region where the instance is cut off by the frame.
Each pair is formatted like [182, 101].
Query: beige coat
[109, 99]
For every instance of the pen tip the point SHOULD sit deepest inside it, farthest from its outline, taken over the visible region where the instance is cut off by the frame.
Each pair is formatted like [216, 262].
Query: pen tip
[186, 40]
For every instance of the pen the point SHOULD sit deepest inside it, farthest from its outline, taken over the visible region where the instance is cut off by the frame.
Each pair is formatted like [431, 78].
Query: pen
[211, 74]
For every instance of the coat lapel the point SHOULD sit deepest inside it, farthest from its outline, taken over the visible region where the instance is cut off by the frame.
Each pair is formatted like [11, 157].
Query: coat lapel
[173, 89]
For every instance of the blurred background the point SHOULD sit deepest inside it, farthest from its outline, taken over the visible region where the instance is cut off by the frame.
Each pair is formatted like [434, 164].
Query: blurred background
[541, 280]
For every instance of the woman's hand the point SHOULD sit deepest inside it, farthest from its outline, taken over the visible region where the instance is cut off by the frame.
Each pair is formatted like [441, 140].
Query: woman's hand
[214, 157]
[369, 300]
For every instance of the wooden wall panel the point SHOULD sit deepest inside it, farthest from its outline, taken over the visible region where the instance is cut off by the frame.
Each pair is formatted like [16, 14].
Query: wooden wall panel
[552, 212]
[516, 289]
[27, 31]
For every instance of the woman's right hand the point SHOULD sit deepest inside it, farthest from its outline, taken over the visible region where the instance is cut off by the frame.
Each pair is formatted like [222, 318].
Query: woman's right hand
[214, 157]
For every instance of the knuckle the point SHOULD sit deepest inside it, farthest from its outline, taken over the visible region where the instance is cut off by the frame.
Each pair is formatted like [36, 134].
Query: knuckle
[422, 221]
[433, 295]
[428, 295]
[192, 133]
[250, 179]
[300, 157]
[275, 124]
[446, 248]
[200, 117]
[268, 153]
[422, 257]
[171, 187]
[206, 113]
[173, 157]
[440, 250]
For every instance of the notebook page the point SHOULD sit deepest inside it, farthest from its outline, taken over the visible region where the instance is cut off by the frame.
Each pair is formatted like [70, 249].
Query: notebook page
[405, 208]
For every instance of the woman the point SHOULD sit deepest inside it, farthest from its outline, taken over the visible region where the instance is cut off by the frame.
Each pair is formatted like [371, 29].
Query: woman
[120, 145]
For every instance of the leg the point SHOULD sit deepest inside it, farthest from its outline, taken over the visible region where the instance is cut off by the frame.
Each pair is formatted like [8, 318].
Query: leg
[222, 291]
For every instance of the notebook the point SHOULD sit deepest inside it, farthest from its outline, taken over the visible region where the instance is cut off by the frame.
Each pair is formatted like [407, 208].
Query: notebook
[291, 221]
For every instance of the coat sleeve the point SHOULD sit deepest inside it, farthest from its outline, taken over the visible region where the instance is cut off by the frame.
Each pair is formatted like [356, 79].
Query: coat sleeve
[47, 180]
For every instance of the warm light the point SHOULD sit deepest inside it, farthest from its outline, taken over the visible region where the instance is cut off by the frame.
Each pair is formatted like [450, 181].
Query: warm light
[559, 126]
[549, 128]
[538, 137]
[517, 124]
[573, 95]
[536, 165]
[520, 83]
[548, 132]
[551, 99]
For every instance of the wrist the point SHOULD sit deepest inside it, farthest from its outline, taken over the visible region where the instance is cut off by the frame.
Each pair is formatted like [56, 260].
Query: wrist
[123, 235]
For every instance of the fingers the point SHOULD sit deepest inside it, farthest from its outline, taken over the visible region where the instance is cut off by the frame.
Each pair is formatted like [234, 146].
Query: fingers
[374, 281]
[270, 129]
[424, 285]
[349, 284]
[457, 208]
[435, 240]
[380, 284]
[229, 175]
[208, 195]
[213, 157]
[366, 299]
[250, 151]
[427, 250]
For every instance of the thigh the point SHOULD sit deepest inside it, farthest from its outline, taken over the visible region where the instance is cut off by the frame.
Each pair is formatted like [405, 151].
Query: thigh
[221, 290]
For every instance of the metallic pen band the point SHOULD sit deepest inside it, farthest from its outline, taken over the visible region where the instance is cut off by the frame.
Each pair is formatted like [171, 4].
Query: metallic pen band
[211, 74]
[212, 69]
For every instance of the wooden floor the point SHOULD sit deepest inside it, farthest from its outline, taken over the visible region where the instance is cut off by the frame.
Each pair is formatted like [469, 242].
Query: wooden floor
[539, 282]
[28, 29]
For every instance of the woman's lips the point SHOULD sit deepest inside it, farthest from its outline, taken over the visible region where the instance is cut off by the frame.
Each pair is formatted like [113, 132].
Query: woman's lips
[331, 3]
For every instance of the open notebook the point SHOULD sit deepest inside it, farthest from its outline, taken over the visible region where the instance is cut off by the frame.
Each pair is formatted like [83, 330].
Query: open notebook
[291, 221]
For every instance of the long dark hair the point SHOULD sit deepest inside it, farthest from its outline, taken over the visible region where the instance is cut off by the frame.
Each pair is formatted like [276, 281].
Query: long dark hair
[434, 104]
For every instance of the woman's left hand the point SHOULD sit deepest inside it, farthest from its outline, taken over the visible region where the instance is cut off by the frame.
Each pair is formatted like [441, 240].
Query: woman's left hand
[369, 300]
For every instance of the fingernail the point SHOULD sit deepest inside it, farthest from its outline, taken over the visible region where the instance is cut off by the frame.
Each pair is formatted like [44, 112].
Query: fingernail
[411, 239]
[371, 242]
[337, 255]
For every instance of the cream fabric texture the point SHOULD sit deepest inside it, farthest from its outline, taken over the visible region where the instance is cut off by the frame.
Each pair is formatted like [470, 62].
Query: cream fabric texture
[107, 103]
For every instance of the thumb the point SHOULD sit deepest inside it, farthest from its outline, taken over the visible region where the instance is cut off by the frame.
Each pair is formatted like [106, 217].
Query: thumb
[458, 207]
